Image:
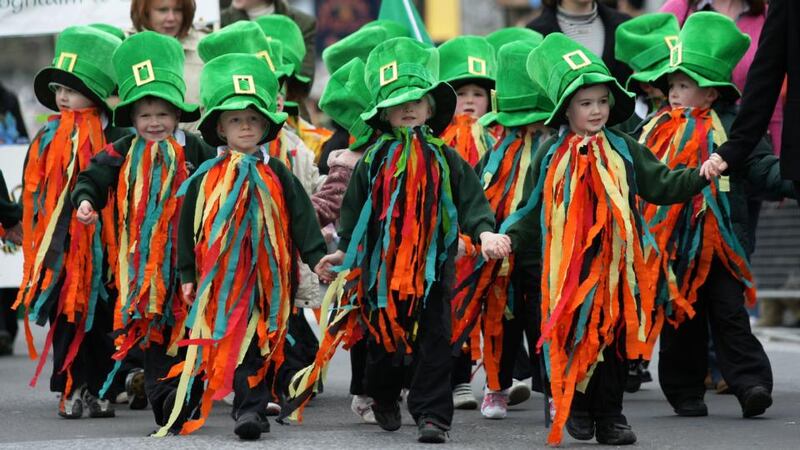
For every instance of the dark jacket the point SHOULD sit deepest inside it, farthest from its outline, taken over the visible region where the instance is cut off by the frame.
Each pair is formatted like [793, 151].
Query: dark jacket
[778, 55]
[12, 126]
[10, 212]
[547, 23]
[307, 24]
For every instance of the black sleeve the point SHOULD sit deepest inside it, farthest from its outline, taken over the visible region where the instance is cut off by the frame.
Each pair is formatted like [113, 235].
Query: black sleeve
[764, 82]
[10, 212]
[187, 267]
[354, 198]
[475, 215]
[95, 181]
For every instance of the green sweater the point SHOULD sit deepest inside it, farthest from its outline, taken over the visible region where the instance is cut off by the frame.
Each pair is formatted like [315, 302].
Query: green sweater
[303, 225]
[10, 212]
[655, 183]
[103, 173]
[474, 213]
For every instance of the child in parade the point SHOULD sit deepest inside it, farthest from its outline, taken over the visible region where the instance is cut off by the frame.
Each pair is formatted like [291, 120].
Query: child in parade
[64, 273]
[143, 172]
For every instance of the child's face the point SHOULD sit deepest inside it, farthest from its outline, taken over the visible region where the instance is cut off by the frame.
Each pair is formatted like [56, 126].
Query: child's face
[67, 99]
[685, 93]
[281, 101]
[588, 110]
[472, 100]
[154, 119]
[242, 129]
[409, 114]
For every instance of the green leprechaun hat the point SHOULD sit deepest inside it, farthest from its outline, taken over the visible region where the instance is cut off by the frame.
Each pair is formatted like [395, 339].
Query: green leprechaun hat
[282, 28]
[81, 63]
[467, 59]
[402, 70]
[355, 45]
[150, 64]
[562, 66]
[244, 37]
[517, 100]
[707, 49]
[392, 27]
[234, 82]
[111, 29]
[507, 35]
[644, 43]
[344, 99]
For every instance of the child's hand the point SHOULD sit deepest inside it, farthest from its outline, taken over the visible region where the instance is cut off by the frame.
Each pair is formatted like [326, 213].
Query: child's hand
[14, 234]
[323, 268]
[187, 289]
[495, 246]
[86, 214]
[713, 167]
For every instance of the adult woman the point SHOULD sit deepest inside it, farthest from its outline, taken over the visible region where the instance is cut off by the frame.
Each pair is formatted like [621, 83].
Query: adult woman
[173, 18]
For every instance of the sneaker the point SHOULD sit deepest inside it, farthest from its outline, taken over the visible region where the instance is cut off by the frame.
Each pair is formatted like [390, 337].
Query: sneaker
[518, 393]
[362, 406]
[273, 409]
[755, 401]
[463, 397]
[228, 399]
[134, 387]
[98, 408]
[552, 406]
[693, 407]
[611, 433]
[249, 426]
[388, 416]
[633, 381]
[121, 398]
[431, 433]
[580, 427]
[495, 405]
[70, 407]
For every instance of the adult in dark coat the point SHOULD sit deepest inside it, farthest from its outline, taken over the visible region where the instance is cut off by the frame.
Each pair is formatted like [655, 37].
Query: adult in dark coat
[778, 55]
[547, 23]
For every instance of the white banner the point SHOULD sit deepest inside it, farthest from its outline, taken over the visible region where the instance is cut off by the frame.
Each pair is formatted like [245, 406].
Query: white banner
[12, 158]
[30, 17]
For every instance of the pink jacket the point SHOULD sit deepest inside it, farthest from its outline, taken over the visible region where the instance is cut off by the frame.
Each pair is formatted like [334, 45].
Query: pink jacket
[327, 200]
[751, 26]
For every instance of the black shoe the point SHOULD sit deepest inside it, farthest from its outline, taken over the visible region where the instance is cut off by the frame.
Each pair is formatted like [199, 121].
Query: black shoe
[634, 379]
[97, 408]
[755, 401]
[581, 428]
[611, 433]
[693, 407]
[431, 433]
[249, 426]
[134, 387]
[387, 415]
[169, 405]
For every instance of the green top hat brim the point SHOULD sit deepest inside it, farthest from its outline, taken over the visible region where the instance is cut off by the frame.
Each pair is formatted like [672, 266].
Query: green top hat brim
[727, 90]
[443, 95]
[47, 97]
[362, 134]
[122, 113]
[208, 124]
[621, 109]
[513, 118]
[645, 76]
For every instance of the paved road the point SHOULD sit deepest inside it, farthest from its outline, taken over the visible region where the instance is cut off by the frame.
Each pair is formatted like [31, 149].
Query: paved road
[28, 418]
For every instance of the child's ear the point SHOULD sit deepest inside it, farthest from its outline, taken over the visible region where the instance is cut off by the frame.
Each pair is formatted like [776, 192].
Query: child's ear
[712, 95]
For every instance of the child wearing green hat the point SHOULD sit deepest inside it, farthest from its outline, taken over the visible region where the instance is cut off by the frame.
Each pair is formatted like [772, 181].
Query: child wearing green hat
[244, 218]
[584, 214]
[701, 248]
[407, 200]
[142, 172]
[64, 277]
[506, 306]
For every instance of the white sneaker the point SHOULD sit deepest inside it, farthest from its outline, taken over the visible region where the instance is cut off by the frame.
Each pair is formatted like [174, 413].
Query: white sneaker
[228, 399]
[518, 392]
[463, 397]
[495, 405]
[122, 398]
[552, 405]
[362, 406]
[273, 409]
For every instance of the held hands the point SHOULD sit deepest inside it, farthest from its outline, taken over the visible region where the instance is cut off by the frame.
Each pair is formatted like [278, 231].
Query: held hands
[86, 213]
[495, 246]
[323, 267]
[187, 289]
[713, 167]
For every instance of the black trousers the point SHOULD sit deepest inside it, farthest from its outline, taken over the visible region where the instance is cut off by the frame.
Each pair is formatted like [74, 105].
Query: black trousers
[299, 352]
[515, 362]
[602, 400]
[462, 369]
[8, 317]
[93, 362]
[683, 358]
[246, 398]
[358, 367]
[430, 395]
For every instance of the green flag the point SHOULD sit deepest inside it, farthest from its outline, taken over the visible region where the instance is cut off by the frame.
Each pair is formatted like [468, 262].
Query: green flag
[404, 12]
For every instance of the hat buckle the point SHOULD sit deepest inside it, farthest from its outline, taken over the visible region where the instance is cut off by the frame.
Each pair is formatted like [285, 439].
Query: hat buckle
[249, 84]
[582, 62]
[265, 54]
[146, 66]
[675, 50]
[71, 57]
[493, 97]
[473, 62]
[384, 80]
